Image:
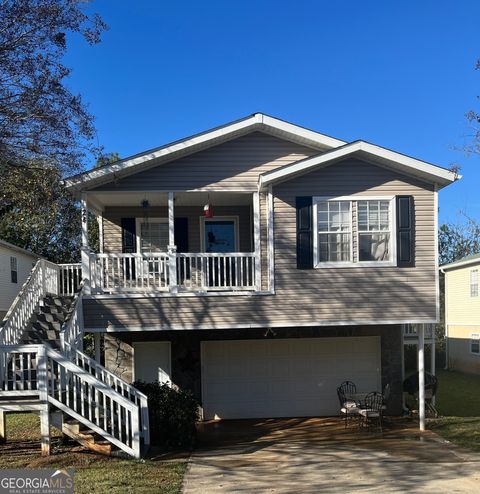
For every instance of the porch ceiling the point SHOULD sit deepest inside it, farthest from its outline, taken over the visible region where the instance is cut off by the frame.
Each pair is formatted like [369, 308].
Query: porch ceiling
[101, 200]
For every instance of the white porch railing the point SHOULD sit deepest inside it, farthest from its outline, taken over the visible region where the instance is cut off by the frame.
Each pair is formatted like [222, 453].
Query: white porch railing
[196, 272]
[410, 331]
[216, 272]
[69, 278]
[129, 272]
[73, 390]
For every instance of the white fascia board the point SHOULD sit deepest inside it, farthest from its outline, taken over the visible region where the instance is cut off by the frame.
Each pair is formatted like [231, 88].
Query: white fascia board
[403, 163]
[258, 121]
[297, 131]
[459, 264]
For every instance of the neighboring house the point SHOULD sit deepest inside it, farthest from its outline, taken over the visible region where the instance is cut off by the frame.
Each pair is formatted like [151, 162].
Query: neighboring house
[15, 267]
[258, 264]
[462, 314]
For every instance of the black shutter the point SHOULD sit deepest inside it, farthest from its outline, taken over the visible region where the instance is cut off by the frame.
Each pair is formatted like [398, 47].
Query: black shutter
[304, 233]
[405, 231]
[181, 234]
[129, 244]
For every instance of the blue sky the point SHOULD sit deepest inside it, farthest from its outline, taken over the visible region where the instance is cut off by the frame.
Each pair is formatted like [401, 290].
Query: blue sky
[398, 74]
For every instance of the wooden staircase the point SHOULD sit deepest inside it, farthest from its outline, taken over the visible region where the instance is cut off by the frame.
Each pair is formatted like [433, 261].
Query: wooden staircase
[43, 370]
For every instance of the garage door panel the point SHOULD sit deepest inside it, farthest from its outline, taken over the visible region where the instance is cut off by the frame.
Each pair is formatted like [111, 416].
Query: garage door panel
[285, 377]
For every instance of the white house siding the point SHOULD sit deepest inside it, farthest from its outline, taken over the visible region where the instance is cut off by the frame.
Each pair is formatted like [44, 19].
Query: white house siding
[9, 290]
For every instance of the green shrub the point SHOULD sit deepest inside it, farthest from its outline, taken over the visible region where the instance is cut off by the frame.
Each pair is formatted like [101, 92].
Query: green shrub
[173, 414]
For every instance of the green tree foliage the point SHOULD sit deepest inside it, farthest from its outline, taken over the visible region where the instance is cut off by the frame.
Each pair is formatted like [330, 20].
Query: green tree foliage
[37, 213]
[41, 120]
[456, 241]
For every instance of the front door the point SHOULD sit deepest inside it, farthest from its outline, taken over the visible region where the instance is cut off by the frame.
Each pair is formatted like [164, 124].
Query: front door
[220, 236]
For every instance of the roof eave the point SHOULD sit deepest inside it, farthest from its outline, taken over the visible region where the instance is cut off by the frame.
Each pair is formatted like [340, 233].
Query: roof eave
[198, 142]
[428, 172]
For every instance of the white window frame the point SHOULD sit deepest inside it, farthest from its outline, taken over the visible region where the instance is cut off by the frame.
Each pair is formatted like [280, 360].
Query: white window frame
[355, 263]
[235, 220]
[392, 245]
[13, 269]
[138, 230]
[472, 294]
[330, 264]
[475, 337]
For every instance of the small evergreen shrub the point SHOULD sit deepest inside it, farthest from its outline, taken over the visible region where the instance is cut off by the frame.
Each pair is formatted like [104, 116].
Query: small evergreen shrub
[173, 414]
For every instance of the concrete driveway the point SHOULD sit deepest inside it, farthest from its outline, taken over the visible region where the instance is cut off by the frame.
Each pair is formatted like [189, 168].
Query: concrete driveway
[319, 455]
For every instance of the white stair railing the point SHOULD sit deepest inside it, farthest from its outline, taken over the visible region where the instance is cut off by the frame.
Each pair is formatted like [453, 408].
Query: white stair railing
[23, 307]
[71, 338]
[72, 390]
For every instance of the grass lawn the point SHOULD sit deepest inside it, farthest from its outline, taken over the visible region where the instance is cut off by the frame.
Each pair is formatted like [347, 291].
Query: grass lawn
[458, 403]
[93, 473]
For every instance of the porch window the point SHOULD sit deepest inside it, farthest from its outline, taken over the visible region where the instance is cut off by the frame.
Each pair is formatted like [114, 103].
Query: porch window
[374, 233]
[334, 224]
[474, 283]
[153, 235]
[475, 343]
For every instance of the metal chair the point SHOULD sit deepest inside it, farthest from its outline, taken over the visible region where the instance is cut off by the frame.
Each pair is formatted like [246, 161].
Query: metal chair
[372, 411]
[348, 408]
[348, 387]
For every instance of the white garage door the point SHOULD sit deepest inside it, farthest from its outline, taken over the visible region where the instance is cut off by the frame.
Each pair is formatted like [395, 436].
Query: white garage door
[285, 378]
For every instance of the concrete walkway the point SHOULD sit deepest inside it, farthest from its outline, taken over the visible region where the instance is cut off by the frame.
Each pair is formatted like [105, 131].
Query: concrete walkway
[318, 455]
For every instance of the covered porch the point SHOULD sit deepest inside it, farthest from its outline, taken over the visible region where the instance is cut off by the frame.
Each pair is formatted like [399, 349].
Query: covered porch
[174, 242]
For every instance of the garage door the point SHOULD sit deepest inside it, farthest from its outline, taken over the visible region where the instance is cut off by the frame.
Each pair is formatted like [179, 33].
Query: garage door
[285, 378]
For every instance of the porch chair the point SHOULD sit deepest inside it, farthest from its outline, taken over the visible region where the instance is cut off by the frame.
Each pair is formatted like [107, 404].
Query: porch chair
[372, 411]
[348, 408]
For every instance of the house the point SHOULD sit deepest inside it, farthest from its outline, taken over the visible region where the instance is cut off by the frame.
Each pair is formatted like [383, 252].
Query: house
[15, 267]
[258, 264]
[462, 314]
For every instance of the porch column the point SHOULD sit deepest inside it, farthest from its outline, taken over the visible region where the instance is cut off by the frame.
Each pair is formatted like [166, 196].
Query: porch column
[85, 249]
[3, 427]
[421, 375]
[432, 358]
[256, 239]
[172, 248]
[97, 346]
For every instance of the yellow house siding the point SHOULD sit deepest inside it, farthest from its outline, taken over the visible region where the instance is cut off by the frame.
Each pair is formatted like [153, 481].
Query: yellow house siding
[459, 355]
[461, 308]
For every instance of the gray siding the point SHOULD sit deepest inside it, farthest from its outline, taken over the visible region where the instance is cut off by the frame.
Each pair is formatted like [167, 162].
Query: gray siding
[306, 296]
[112, 217]
[233, 165]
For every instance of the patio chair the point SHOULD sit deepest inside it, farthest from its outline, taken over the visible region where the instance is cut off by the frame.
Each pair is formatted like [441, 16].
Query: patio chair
[372, 411]
[348, 408]
[348, 387]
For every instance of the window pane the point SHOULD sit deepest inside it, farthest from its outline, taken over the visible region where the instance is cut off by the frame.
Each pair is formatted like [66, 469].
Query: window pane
[153, 237]
[373, 216]
[334, 247]
[374, 247]
[219, 236]
[475, 344]
[474, 283]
